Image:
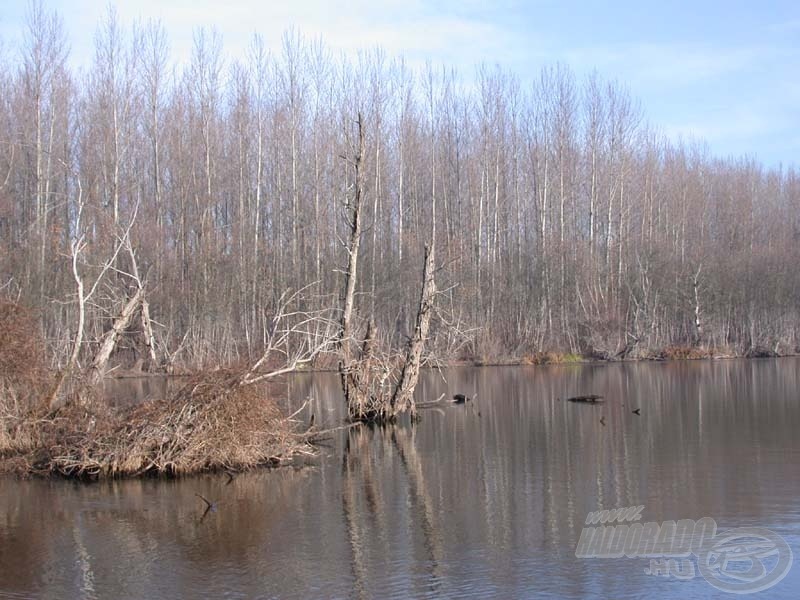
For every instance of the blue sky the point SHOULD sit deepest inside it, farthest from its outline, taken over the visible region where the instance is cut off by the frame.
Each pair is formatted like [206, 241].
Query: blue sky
[723, 71]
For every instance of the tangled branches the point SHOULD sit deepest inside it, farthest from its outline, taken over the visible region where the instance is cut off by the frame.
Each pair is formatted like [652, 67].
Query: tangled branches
[212, 423]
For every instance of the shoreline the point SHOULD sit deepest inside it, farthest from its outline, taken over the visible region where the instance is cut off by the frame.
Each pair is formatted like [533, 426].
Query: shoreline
[480, 363]
[88, 442]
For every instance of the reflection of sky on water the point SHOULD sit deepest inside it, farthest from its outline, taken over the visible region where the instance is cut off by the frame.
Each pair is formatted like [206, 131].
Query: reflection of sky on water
[483, 499]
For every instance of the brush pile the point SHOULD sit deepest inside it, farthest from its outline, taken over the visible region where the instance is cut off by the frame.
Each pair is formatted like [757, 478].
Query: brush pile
[226, 419]
[212, 423]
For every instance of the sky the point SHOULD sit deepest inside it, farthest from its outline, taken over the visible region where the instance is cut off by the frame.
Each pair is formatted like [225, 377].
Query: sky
[724, 71]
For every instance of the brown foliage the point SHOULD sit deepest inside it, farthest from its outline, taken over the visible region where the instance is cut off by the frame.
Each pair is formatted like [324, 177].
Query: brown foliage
[212, 423]
[542, 358]
[685, 353]
[22, 367]
[23, 376]
[550, 358]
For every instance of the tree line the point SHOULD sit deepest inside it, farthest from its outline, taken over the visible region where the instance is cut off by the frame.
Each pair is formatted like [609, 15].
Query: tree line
[565, 220]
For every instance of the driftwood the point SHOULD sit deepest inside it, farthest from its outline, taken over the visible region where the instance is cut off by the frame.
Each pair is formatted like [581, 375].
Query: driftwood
[210, 506]
[431, 404]
[589, 399]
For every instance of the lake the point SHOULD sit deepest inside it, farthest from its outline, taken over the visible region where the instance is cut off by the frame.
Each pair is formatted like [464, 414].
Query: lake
[486, 499]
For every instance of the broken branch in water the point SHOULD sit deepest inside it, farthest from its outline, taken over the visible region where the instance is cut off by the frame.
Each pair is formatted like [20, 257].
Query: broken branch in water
[589, 399]
[431, 404]
[210, 505]
[319, 436]
[299, 410]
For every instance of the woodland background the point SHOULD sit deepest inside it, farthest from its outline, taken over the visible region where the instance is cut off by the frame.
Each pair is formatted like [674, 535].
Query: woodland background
[566, 222]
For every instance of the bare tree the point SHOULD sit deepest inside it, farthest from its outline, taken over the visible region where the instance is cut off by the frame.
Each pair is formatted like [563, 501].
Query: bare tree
[564, 221]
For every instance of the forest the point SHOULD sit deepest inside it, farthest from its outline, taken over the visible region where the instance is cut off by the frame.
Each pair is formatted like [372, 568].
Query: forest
[567, 224]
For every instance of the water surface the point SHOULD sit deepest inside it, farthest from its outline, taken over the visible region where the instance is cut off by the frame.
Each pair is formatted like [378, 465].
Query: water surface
[482, 500]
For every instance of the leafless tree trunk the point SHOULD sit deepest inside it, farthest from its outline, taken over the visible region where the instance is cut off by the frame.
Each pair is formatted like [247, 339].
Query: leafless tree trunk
[403, 398]
[698, 326]
[568, 226]
[108, 342]
[354, 215]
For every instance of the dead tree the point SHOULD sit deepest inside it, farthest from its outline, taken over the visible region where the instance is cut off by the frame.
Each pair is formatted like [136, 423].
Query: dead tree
[109, 339]
[698, 326]
[83, 297]
[147, 330]
[354, 209]
[354, 373]
[365, 378]
[403, 398]
[295, 338]
[147, 323]
[137, 302]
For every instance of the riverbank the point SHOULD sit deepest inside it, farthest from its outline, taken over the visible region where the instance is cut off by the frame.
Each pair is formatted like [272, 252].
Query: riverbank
[671, 353]
[210, 423]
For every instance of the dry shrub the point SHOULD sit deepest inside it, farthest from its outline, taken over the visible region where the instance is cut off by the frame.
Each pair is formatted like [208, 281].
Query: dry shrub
[760, 352]
[16, 434]
[23, 377]
[685, 353]
[23, 374]
[551, 358]
[212, 423]
[542, 358]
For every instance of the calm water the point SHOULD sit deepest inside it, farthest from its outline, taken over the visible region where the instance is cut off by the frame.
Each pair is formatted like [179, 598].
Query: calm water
[485, 500]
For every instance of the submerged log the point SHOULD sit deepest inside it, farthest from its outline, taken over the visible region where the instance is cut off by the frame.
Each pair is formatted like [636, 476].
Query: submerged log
[588, 399]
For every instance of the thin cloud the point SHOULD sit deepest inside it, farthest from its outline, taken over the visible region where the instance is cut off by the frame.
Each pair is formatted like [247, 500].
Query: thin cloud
[725, 87]
[400, 28]
[677, 64]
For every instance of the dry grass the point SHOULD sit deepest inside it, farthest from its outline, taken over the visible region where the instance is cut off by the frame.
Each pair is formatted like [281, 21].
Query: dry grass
[210, 424]
[23, 377]
[685, 353]
[550, 358]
